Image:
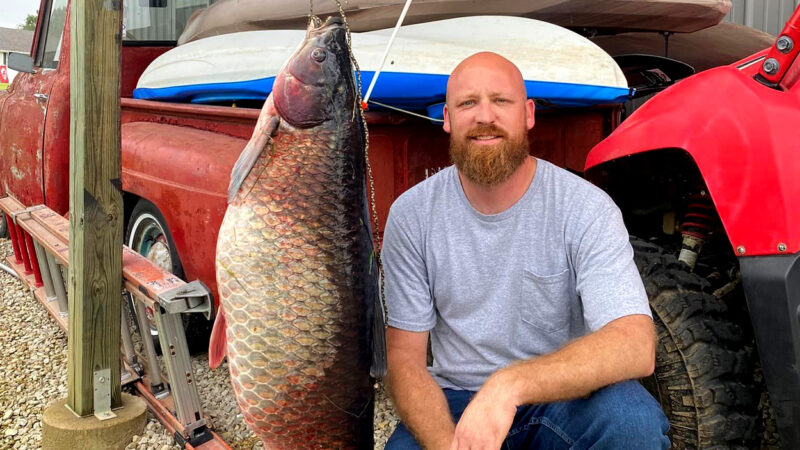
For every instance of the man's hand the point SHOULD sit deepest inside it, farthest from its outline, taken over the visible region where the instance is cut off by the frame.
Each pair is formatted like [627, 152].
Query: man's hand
[624, 349]
[488, 417]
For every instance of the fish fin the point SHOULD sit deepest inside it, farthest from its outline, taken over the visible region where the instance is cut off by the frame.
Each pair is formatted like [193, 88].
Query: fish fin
[378, 367]
[217, 346]
[247, 159]
[374, 300]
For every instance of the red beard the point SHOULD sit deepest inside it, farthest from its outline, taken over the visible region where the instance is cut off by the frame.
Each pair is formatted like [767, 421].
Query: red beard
[489, 165]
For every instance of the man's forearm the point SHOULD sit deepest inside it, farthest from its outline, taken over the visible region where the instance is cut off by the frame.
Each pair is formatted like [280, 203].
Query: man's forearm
[422, 406]
[621, 351]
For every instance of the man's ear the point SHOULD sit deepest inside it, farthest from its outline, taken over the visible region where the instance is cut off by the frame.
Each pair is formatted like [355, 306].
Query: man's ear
[446, 124]
[530, 108]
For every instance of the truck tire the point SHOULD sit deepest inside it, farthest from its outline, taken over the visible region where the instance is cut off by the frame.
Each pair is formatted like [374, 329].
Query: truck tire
[3, 226]
[704, 362]
[147, 234]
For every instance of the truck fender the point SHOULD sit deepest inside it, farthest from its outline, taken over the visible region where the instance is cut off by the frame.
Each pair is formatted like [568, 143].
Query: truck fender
[184, 172]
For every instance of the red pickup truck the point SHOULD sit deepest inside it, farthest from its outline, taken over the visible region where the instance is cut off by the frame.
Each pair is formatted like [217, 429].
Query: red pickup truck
[177, 158]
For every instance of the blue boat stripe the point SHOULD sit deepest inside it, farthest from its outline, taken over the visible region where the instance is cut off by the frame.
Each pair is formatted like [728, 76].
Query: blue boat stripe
[403, 90]
[224, 91]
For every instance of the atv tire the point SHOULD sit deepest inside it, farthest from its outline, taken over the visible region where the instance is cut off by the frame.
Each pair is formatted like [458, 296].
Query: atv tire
[704, 362]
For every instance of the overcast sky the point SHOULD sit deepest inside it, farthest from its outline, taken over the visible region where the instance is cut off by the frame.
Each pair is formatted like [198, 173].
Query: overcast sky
[13, 12]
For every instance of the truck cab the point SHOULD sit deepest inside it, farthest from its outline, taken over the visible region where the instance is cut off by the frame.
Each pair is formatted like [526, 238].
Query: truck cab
[34, 130]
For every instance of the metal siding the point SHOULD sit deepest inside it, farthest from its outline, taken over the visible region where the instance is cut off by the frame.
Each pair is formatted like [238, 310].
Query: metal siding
[764, 15]
[755, 14]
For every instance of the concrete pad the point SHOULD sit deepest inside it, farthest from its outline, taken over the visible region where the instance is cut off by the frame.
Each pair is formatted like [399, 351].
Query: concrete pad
[62, 429]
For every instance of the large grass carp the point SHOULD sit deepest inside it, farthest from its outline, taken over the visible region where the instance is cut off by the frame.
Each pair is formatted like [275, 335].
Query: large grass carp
[295, 264]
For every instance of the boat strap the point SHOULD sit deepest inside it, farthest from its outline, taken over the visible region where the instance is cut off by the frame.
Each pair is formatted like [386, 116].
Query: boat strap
[386, 53]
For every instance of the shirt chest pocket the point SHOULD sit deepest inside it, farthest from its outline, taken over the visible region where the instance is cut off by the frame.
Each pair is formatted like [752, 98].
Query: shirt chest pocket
[545, 300]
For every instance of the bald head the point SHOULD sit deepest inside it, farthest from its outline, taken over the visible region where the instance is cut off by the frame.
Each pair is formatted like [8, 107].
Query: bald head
[486, 88]
[485, 66]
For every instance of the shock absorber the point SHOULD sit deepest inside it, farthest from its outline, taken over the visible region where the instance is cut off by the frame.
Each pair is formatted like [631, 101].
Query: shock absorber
[698, 224]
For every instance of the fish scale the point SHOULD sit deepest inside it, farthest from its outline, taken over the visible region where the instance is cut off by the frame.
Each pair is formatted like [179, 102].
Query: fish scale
[286, 276]
[300, 308]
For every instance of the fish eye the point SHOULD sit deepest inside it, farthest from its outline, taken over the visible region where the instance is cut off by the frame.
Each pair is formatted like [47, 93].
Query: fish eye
[318, 54]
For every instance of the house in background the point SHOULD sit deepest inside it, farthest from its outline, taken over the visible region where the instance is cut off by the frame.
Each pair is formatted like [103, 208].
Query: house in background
[13, 40]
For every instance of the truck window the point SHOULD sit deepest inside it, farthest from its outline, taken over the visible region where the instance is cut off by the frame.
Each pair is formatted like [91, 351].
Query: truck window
[158, 20]
[52, 29]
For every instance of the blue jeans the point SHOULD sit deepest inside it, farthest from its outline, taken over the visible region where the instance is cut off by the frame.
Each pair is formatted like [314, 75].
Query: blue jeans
[620, 416]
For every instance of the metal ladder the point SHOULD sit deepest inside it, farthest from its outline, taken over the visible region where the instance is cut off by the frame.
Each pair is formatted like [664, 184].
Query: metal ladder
[40, 241]
[166, 310]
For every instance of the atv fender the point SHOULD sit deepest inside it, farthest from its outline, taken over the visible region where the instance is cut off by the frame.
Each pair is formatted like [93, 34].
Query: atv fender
[743, 138]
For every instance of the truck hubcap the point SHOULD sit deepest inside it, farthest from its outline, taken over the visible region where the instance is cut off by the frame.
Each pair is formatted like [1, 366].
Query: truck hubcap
[148, 239]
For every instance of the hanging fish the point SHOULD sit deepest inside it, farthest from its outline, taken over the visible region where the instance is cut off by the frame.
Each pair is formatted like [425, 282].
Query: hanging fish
[295, 263]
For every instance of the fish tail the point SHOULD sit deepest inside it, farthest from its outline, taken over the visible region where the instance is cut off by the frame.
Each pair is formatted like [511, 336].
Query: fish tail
[217, 346]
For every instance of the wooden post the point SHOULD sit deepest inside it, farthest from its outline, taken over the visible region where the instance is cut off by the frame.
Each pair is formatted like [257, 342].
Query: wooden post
[95, 234]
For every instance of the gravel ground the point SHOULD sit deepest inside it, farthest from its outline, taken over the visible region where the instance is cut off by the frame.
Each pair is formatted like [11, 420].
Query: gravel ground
[33, 373]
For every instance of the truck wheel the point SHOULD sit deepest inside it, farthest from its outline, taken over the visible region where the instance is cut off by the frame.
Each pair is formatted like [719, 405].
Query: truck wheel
[704, 363]
[147, 234]
[3, 226]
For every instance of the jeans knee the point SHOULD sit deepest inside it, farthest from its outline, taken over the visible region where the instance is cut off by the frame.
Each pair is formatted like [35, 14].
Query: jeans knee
[631, 415]
[401, 439]
[642, 424]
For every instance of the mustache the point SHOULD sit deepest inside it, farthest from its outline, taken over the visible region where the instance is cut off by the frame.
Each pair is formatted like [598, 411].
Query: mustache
[482, 130]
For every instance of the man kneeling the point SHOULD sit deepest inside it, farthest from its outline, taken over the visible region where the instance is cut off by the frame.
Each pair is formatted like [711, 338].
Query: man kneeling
[523, 275]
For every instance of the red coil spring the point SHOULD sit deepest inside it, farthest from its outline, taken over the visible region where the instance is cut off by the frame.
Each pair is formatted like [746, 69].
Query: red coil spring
[701, 217]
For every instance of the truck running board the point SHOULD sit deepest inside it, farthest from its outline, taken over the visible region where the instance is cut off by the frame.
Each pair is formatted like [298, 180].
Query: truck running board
[40, 240]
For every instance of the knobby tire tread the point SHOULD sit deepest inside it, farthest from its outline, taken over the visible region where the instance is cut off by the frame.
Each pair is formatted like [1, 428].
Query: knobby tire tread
[704, 367]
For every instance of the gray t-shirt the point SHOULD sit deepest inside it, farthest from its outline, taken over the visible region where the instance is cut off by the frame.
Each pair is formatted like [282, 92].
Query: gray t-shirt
[499, 288]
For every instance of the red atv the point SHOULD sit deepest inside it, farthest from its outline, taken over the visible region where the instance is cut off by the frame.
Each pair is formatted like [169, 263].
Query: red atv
[706, 174]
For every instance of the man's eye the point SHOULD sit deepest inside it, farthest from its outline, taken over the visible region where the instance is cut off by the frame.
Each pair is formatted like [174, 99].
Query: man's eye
[501, 100]
[467, 103]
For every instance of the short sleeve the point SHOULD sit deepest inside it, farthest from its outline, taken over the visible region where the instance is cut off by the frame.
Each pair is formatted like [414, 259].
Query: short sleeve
[608, 281]
[409, 302]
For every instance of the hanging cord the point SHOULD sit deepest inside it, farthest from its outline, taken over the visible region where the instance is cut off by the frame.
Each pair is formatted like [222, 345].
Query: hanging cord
[378, 244]
[386, 53]
[9, 270]
[412, 113]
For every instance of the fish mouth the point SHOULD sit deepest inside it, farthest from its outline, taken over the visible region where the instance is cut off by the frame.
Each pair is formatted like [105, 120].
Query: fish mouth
[333, 20]
[317, 26]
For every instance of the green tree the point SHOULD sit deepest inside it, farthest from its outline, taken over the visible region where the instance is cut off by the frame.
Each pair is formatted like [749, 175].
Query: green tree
[30, 22]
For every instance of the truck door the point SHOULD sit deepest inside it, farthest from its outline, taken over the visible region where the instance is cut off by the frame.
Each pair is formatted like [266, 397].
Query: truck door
[25, 110]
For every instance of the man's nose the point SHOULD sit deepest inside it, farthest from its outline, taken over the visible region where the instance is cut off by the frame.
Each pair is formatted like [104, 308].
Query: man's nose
[485, 113]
